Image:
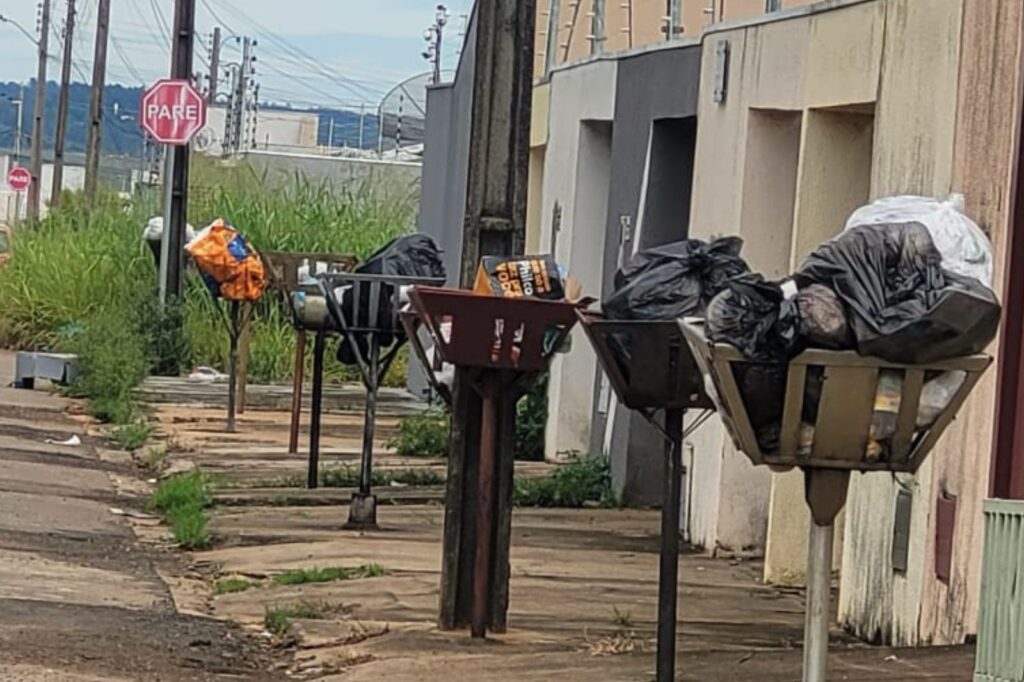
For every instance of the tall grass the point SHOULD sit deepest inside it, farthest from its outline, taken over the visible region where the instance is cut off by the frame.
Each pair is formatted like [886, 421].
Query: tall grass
[83, 281]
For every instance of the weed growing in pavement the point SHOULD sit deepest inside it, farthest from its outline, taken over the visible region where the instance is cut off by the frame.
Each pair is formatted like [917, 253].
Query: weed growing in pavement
[346, 476]
[132, 436]
[301, 576]
[423, 435]
[581, 482]
[155, 459]
[232, 585]
[182, 500]
[622, 619]
[278, 619]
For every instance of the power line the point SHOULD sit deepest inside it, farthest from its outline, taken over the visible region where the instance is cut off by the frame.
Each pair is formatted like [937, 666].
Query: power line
[127, 62]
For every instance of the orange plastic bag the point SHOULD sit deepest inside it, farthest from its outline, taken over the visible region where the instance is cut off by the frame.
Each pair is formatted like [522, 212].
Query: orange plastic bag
[231, 267]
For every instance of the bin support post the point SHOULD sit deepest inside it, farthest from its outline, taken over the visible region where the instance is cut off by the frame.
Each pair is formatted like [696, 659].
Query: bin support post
[297, 376]
[668, 576]
[362, 512]
[819, 590]
[314, 422]
[825, 490]
[485, 510]
[233, 366]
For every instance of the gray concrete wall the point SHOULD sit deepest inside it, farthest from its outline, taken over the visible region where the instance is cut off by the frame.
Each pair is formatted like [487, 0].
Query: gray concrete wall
[392, 177]
[652, 169]
[446, 170]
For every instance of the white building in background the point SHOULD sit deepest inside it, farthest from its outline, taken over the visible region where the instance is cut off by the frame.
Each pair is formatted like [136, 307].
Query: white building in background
[12, 206]
[276, 130]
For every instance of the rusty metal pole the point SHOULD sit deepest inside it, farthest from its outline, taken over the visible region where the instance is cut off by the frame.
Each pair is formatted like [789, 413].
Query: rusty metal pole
[233, 367]
[668, 575]
[297, 376]
[313, 475]
[485, 510]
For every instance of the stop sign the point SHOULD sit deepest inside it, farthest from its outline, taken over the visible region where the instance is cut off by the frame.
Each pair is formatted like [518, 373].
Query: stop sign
[173, 111]
[19, 179]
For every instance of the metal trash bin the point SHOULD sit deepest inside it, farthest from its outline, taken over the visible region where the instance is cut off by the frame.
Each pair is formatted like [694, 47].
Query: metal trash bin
[375, 334]
[837, 445]
[283, 271]
[650, 367]
[505, 343]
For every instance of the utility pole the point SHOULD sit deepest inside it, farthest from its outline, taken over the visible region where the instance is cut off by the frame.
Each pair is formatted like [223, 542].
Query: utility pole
[214, 65]
[176, 208]
[99, 82]
[229, 114]
[36, 169]
[362, 117]
[62, 107]
[434, 36]
[495, 224]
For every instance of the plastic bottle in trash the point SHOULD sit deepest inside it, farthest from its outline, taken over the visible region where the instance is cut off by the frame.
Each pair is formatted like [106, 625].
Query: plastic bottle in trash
[886, 413]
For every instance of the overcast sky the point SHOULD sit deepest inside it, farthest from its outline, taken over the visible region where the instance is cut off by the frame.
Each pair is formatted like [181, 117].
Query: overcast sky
[360, 48]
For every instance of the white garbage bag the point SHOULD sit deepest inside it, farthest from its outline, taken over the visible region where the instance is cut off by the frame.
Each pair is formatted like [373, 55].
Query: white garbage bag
[964, 247]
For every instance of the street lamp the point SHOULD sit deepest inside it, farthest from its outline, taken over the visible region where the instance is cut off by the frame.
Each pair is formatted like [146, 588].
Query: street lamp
[12, 22]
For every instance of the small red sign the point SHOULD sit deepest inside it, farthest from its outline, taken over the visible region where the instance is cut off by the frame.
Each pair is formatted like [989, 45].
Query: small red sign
[19, 179]
[173, 111]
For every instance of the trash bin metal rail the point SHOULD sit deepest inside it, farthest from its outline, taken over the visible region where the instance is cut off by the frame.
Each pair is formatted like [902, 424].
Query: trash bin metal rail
[849, 383]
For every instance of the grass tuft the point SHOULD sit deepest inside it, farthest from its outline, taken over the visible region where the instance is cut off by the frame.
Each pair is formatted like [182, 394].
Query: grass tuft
[132, 436]
[278, 619]
[232, 585]
[182, 500]
[302, 576]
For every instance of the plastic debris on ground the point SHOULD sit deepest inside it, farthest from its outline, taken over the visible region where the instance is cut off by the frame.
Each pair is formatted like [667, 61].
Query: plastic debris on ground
[230, 266]
[206, 375]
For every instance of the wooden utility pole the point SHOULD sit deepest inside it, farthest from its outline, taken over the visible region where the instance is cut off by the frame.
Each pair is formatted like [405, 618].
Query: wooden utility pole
[176, 207]
[62, 107]
[214, 66]
[495, 223]
[99, 83]
[36, 169]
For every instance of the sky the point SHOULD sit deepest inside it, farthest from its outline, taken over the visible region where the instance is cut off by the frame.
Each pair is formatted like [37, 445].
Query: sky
[328, 53]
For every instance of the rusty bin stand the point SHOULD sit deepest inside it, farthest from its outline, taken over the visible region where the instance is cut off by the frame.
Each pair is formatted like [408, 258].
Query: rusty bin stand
[505, 343]
[837, 446]
[659, 373]
[283, 270]
[375, 338]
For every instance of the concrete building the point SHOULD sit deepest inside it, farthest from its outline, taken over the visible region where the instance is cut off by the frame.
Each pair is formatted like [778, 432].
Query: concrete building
[276, 130]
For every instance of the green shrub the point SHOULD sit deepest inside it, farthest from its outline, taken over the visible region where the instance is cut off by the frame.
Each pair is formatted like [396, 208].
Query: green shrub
[583, 481]
[531, 421]
[347, 476]
[424, 434]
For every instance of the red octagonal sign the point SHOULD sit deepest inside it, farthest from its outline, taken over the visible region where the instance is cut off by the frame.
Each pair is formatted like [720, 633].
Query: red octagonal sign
[173, 111]
[19, 179]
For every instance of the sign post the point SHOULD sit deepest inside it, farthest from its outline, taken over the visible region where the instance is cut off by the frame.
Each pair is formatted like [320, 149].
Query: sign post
[172, 112]
[19, 179]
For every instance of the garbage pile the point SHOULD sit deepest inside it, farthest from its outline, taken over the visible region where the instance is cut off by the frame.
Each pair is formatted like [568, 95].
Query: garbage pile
[414, 255]
[907, 281]
[230, 267]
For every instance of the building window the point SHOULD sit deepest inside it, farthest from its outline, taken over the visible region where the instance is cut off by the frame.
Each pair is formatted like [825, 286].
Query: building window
[772, 5]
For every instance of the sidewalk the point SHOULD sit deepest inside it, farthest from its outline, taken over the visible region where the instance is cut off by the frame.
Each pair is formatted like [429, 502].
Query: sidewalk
[583, 593]
[80, 599]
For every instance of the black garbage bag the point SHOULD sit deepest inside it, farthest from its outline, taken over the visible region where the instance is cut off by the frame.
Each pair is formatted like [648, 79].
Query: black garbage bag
[823, 321]
[754, 315]
[414, 255]
[902, 306]
[673, 280]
